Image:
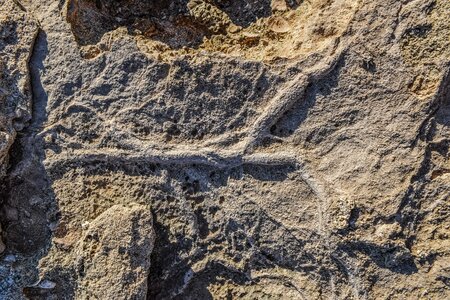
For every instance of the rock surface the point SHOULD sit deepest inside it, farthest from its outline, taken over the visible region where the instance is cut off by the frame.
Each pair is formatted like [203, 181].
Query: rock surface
[113, 255]
[212, 149]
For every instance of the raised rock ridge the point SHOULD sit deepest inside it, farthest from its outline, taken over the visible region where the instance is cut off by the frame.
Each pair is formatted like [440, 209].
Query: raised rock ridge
[215, 149]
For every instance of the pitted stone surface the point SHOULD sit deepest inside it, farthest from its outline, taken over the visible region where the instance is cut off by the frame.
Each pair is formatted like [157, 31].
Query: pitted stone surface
[298, 151]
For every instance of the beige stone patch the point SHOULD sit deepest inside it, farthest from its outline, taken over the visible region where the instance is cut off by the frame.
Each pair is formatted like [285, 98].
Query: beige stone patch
[427, 43]
[286, 34]
[287, 31]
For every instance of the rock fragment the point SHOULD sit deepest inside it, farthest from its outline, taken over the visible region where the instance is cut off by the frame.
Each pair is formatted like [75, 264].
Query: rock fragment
[114, 254]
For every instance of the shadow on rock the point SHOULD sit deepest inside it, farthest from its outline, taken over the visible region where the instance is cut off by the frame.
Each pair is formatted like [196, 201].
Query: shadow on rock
[395, 258]
[30, 209]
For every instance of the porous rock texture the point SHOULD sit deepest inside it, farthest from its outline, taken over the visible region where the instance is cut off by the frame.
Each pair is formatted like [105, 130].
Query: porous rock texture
[217, 149]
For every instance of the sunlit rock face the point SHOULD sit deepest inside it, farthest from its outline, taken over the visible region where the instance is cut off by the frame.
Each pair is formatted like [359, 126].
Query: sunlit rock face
[224, 149]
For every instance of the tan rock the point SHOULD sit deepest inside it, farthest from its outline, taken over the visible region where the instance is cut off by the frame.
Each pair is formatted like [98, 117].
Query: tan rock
[114, 254]
[279, 5]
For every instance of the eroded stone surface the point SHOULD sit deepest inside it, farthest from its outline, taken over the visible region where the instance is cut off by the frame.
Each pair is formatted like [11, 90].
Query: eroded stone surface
[120, 266]
[323, 174]
[269, 31]
[17, 33]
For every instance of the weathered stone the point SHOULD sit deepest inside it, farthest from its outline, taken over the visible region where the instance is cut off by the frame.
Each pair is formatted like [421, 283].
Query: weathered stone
[114, 254]
[295, 149]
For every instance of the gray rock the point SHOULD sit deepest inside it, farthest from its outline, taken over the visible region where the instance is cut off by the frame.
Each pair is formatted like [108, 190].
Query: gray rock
[300, 153]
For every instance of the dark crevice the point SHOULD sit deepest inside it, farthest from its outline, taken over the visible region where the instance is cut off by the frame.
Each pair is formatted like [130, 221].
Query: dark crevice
[40, 97]
[28, 191]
